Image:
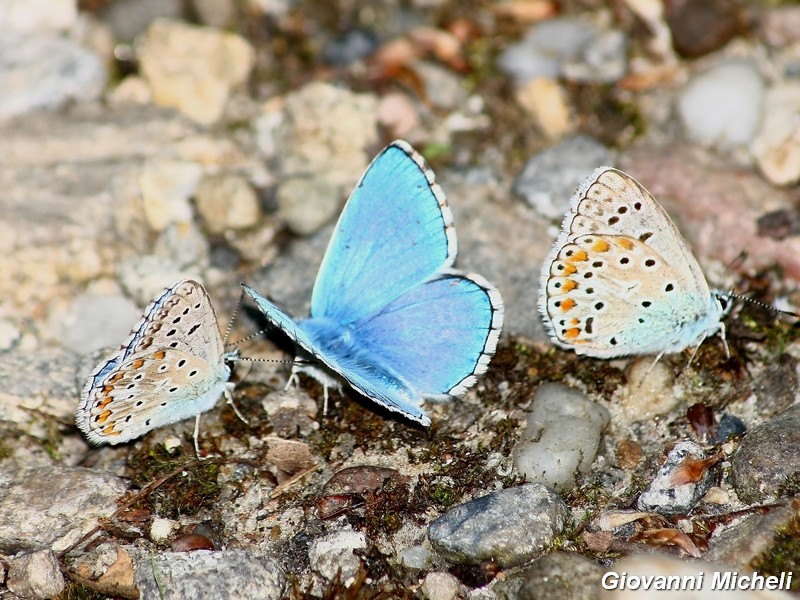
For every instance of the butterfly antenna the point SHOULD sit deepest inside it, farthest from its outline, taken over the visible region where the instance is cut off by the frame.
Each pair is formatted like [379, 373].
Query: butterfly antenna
[264, 360]
[249, 337]
[233, 319]
[763, 305]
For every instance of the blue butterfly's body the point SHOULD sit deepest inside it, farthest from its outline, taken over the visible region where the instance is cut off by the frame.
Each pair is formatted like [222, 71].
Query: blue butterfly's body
[388, 313]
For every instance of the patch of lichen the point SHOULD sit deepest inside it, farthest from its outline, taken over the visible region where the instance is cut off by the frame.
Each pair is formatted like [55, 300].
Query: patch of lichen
[783, 555]
[185, 493]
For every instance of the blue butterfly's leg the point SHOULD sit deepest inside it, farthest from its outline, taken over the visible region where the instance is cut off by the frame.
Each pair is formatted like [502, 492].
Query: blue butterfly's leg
[292, 378]
[324, 399]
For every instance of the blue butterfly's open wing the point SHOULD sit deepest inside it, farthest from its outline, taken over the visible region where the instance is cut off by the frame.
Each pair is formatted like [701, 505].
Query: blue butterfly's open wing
[440, 335]
[395, 232]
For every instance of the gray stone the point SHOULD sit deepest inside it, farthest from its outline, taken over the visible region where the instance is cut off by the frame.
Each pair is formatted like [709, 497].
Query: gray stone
[44, 71]
[36, 575]
[722, 106]
[678, 487]
[39, 381]
[54, 506]
[550, 178]
[334, 553]
[561, 437]
[94, 321]
[510, 527]
[306, 204]
[754, 537]
[128, 18]
[555, 576]
[768, 458]
[566, 47]
[205, 575]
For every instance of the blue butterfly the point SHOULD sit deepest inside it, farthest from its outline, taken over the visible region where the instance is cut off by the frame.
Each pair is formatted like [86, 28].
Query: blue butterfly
[388, 313]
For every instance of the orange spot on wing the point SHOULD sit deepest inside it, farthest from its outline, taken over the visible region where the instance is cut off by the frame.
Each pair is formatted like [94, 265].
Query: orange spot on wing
[567, 304]
[105, 402]
[159, 355]
[569, 269]
[625, 243]
[601, 246]
[137, 364]
[107, 390]
[578, 256]
[574, 321]
[117, 377]
[572, 333]
[103, 416]
[568, 285]
[109, 430]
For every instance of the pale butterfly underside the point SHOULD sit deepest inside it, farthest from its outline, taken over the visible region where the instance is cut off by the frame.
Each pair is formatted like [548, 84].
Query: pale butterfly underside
[389, 314]
[172, 367]
[620, 279]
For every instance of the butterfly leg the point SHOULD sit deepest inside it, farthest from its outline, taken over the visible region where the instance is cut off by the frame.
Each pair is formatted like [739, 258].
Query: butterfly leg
[196, 436]
[293, 380]
[229, 401]
[721, 333]
[653, 365]
[324, 399]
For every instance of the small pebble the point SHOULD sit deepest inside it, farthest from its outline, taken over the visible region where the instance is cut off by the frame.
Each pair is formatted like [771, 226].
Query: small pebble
[166, 186]
[702, 26]
[722, 105]
[416, 557]
[162, 529]
[768, 455]
[36, 575]
[354, 45]
[561, 437]
[227, 202]
[305, 204]
[649, 392]
[776, 148]
[193, 69]
[334, 553]
[681, 482]
[440, 586]
[510, 526]
[549, 179]
[547, 103]
[566, 47]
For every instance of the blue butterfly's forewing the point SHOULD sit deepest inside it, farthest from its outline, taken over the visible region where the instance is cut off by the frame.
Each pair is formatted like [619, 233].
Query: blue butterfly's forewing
[395, 232]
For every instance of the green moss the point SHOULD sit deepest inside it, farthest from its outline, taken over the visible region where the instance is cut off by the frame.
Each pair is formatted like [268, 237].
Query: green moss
[784, 554]
[77, 591]
[185, 493]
